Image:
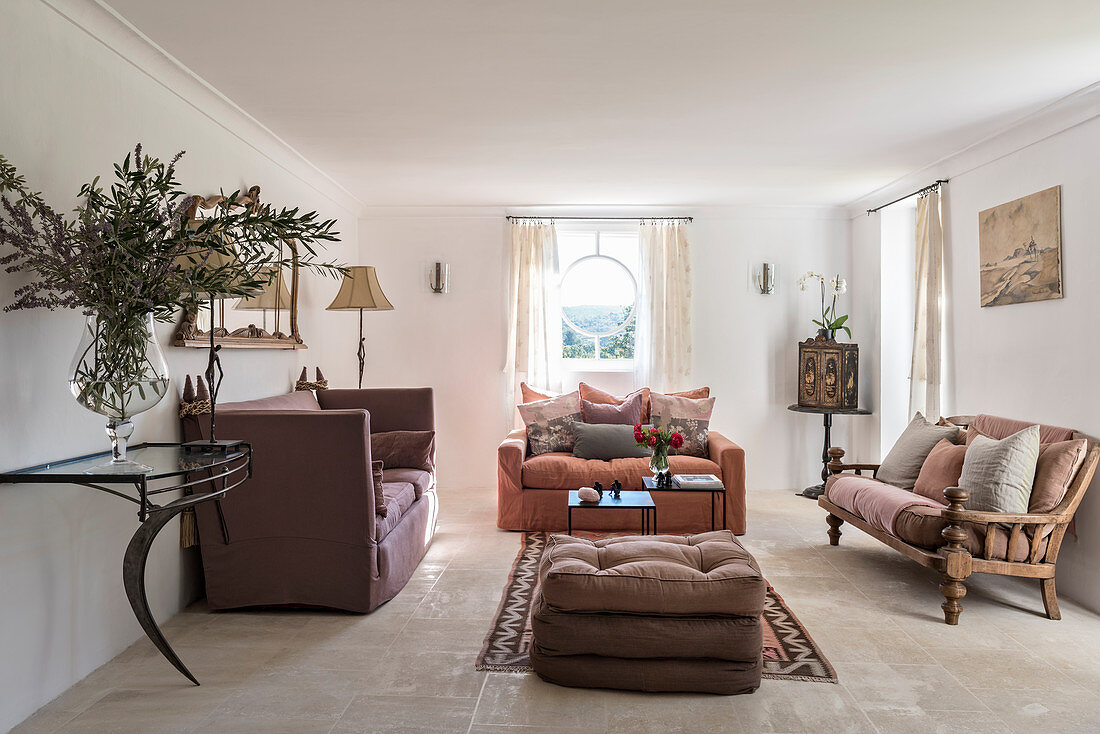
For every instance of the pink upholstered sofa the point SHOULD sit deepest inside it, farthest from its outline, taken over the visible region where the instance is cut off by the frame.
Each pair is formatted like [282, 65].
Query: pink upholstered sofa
[532, 490]
[947, 537]
[304, 529]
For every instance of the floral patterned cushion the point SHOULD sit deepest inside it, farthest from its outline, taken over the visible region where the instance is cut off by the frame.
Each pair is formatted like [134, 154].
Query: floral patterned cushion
[690, 417]
[550, 423]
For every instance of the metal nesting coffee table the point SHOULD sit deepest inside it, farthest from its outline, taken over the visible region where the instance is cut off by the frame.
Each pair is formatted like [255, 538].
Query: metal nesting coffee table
[628, 500]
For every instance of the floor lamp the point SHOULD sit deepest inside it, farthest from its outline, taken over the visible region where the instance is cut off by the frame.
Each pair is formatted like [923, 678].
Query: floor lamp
[360, 292]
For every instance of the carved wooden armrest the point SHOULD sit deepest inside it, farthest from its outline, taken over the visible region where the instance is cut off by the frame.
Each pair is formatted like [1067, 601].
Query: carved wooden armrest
[956, 514]
[836, 466]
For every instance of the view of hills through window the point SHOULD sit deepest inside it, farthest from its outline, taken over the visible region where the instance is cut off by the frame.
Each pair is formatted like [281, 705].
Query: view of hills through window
[597, 295]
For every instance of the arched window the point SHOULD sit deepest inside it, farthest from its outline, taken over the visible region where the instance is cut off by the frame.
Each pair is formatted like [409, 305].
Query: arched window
[599, 293]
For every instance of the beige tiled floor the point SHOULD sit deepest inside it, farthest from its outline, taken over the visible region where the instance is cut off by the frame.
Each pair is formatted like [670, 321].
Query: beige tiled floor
[409, 666]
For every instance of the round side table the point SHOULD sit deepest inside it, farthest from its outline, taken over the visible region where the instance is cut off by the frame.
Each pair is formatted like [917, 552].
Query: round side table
[819, 489]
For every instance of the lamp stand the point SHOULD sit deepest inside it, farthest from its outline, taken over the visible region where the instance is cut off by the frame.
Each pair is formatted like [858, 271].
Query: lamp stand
[362, 350]
[213, 370]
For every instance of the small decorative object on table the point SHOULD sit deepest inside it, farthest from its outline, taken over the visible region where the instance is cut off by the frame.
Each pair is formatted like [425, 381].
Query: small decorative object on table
[588, 494]
[131, 256]
[616, 489]
[828, 370]
[660, 440]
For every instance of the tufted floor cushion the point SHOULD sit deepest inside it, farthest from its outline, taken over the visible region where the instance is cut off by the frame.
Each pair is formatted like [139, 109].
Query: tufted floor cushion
[652, 613]
[710, 573]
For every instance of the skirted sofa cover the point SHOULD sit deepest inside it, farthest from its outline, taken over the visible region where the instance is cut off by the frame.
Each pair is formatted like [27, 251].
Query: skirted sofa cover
[532, 490]
[304, 529]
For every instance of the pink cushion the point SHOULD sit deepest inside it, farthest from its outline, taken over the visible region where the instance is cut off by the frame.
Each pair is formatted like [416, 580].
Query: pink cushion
[940, 470]
[626, 413]
[301, 400]
[876, 502]
[999, 428]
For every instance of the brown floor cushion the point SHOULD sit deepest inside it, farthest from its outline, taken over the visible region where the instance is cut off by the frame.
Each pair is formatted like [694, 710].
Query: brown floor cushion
[650, 613]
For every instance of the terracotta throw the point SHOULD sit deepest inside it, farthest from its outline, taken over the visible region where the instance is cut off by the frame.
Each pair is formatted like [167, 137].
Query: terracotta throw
[789, 651]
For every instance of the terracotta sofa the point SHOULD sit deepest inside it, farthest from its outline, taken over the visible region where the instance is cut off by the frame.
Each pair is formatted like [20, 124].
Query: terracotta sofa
[532, 490]
[947, 537]
[304, 529]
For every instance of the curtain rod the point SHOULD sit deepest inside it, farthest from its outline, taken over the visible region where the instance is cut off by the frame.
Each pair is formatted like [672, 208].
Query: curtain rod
[511, 217]
[925, 190]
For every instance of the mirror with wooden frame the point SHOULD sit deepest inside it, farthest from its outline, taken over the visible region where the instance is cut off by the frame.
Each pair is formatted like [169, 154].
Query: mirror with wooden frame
[234, 320]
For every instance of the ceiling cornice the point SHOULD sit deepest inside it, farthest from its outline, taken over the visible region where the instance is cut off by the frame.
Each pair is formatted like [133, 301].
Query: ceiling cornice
[1056, 117]
[103, 23]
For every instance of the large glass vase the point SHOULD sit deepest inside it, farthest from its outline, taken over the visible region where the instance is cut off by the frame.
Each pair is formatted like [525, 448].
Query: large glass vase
[118, 371]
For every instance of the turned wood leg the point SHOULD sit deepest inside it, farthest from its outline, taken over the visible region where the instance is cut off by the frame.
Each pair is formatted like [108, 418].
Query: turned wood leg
[834, 528]
[952, 590]
[957, 562]
[1050, 598]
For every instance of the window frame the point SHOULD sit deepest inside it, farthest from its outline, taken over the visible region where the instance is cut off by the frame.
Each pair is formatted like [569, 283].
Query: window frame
[598, 363]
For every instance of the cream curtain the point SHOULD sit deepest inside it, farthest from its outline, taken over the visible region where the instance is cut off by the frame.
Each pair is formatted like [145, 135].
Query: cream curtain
[924, 382]
[662, 343]
[534, 331]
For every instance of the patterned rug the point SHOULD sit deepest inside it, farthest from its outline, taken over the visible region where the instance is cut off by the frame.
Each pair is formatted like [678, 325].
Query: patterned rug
[789, 651]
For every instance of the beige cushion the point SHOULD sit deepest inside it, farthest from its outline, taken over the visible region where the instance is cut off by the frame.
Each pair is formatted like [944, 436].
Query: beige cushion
[999, 474]
[901, 467]
[705, 574]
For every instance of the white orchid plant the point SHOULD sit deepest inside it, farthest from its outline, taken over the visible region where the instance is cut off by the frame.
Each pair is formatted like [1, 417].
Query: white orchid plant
[835, 286]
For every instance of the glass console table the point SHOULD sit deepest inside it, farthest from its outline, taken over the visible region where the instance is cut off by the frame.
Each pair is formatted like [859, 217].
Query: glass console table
[174, 470]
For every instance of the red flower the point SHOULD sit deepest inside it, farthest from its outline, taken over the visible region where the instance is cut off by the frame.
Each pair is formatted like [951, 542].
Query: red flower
[652, 439]
[676, 441]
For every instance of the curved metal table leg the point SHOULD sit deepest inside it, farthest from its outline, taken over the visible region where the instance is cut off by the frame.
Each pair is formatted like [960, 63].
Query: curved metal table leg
[133, 578]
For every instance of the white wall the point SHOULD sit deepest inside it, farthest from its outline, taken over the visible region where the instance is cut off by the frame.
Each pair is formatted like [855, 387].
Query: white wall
[897, 306]
[453, 342]
[745, 343]
[71, 107]
[1035, 360]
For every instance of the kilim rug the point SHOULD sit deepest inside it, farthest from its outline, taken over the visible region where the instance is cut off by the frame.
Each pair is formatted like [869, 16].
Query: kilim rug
[789, 651]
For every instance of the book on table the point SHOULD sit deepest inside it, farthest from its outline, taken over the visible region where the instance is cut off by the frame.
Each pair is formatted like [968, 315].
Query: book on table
[697, 481]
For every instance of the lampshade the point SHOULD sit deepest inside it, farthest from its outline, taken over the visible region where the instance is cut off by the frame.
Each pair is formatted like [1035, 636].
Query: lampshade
[360, 290]
[273, 295]
[213, 261]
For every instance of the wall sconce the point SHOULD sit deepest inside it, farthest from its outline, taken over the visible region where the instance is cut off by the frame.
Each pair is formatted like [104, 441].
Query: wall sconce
[438, 279]
[764, 277]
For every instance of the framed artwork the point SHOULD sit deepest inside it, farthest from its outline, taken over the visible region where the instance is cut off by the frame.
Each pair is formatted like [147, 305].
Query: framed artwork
[1021, 249]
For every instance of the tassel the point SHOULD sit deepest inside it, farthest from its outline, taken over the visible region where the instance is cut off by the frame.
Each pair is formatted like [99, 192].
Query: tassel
[303, 377]
[321, 379]
[188, 391]
[189, 529]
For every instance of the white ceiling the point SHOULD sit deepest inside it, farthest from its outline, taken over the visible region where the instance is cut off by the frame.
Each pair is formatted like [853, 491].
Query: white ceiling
[531, 102]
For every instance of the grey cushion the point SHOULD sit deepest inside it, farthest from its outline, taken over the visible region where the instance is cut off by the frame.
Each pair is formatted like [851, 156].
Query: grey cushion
[999, 474]
[901, 467]
[606, 441]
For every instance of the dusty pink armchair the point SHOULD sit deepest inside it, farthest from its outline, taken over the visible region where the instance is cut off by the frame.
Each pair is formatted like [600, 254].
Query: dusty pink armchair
[304, 530]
